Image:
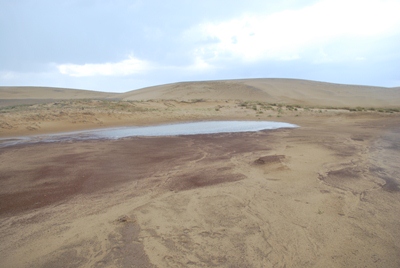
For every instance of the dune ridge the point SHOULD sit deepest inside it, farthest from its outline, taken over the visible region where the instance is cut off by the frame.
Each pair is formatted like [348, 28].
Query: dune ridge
[286, 91]
[53, 93]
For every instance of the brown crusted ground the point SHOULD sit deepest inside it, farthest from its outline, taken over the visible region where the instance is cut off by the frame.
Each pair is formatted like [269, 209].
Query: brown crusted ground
[87, 167]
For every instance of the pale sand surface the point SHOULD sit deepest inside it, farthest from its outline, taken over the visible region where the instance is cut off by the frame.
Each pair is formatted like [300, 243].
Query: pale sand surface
[12, 93]
[290, 91]
[323, 195]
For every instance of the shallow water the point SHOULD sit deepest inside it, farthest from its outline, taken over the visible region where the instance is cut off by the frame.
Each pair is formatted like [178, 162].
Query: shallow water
[193, 128]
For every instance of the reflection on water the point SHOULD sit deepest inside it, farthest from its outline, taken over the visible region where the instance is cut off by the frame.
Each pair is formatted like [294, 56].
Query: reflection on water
[208, 127]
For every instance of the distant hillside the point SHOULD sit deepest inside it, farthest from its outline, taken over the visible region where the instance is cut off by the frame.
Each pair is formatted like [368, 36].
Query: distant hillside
[50, 93]
[289, 91]
[10, 96]
[286, 91]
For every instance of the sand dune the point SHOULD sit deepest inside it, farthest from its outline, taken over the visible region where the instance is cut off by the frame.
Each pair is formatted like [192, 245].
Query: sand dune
[287, 91]
[326, 194]
[10, 93]
[11, 96]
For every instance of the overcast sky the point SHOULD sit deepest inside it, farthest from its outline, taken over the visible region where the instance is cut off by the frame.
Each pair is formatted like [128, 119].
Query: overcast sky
[120, 45]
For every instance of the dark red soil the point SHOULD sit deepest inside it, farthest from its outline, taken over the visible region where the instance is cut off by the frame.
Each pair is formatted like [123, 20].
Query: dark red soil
[37, 175]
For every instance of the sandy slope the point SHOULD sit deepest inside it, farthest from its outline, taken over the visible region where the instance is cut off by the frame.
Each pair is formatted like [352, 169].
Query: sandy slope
[49, 93]
[11, 96]
[288, 91]
[323, 195]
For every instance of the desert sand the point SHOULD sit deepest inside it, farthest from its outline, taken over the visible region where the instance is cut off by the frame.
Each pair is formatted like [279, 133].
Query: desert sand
[325, 194]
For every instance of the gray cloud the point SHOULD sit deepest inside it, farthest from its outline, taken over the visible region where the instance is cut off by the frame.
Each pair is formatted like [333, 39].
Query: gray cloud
[92, 44]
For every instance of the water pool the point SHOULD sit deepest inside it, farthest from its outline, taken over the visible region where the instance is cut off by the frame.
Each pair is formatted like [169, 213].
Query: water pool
[192, 128]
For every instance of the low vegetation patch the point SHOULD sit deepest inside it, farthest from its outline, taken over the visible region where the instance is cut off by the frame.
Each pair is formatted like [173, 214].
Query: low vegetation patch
[92, 106]
[280, 107]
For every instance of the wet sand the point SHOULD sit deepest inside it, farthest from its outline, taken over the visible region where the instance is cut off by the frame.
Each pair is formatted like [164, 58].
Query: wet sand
[323, 195]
